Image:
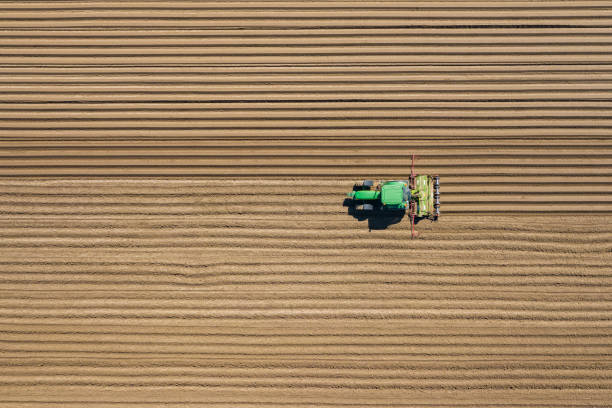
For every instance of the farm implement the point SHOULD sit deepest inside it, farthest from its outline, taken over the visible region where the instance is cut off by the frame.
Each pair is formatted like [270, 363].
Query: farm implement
[419, 195]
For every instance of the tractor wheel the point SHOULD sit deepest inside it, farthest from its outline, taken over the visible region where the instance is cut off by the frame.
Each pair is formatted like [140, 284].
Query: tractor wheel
[368, 207]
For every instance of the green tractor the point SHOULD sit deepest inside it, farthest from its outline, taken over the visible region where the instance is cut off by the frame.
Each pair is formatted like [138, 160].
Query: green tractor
[420, 195]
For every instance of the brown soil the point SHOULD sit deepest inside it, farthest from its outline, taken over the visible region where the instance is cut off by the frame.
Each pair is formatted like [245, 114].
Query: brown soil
[172, 227]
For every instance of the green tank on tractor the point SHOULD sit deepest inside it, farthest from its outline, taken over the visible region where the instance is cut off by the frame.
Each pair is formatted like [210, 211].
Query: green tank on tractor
[419, 195]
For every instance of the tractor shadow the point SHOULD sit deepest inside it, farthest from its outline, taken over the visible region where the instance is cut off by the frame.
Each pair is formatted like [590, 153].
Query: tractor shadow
[377, 220]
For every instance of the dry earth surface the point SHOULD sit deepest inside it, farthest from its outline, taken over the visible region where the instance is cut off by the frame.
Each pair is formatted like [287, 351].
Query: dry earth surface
[172, 228]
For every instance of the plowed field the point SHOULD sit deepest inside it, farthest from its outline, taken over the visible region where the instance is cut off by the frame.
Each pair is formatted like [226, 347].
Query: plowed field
[172, 228]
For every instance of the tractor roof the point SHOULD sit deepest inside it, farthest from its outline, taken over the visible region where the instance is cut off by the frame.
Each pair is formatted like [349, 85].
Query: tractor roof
[392, 193]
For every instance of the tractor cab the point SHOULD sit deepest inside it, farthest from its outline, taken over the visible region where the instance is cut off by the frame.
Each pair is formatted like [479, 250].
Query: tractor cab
[395, 195]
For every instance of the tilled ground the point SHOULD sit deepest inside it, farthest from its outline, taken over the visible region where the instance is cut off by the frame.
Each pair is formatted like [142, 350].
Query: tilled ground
[172, 221]
[225, 289]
